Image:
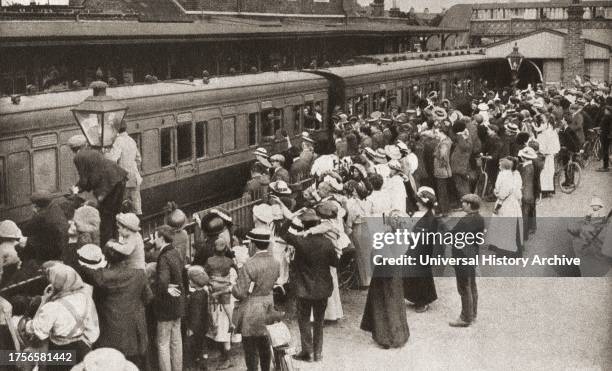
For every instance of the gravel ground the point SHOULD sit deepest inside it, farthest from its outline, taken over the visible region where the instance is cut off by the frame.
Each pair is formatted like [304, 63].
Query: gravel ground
[523, 323]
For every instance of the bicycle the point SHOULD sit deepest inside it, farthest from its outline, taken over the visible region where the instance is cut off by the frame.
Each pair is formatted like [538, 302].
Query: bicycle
[592, 147]
[482, 180]
[569, 176]
[348, 275]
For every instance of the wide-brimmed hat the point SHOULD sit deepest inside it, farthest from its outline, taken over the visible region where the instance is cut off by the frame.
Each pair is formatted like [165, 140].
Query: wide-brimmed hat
[369, 152]
[8, 229]
[528, 153]
[511, 128]
[280, 187]
[263, 213]
[129, 221]
[261, 152]
[343, 118]
[87, 219]
[214, 221]
[403, 147]
[259, 234]
[380, 156]
[483, 107]
[439, 114]
[91, 256]
[596, 201]
[103, 359]
[362, 170]
[393, 152]
[376, 115]
[432, 94]
[277, 157]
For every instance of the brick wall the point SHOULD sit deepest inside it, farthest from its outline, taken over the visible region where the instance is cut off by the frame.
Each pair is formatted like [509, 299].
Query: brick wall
[271, 6]
[573, 64]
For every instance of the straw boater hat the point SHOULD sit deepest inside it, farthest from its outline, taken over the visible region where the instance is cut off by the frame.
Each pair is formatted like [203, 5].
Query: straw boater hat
[375, 115]
[511, 128]
[426, 194]
[395, 165]
[402, 146]
[278, 157]
[483, 107]
[129, 221]
[259, 235]
[8, 229]
[261, 154]
[91, 256]
[360, 168]
[343, 118]
[370, 153]
[528, 153]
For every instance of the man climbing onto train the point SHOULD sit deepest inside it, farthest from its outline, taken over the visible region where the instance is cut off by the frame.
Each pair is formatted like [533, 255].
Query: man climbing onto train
[104, 178]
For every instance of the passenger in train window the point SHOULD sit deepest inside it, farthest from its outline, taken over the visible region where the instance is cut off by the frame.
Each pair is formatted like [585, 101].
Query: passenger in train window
[125, 153]
[104, 178]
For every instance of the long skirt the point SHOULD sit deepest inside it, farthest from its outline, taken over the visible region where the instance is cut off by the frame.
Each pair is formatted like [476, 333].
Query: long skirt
[547, 175]
[420, 290]
[334, 311]
[385, 313]
[360, 238]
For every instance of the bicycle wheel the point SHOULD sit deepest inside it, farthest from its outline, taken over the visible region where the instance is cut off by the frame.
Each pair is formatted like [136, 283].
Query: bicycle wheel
[596, 151]
[569, 178]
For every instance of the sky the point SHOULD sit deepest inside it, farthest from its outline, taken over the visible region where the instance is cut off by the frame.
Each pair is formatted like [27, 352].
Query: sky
[434, 6]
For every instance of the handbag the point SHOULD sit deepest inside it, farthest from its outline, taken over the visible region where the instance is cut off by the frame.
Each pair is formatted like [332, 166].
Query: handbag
[279, 334]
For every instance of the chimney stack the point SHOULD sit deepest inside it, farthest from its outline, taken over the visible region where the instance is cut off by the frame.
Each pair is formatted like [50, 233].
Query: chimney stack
[573, 63]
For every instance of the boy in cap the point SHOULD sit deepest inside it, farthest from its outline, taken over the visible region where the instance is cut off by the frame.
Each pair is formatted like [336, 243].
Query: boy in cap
[197, 315]
[128, 227]
[473, 223]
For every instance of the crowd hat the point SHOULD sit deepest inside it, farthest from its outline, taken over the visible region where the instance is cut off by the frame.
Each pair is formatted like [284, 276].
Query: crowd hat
[493, 127]
[41, 198]
[306, 137]
[432, 94]
[362, 170]
[87, 219]
[309, 217]
[402, 146]
[343, 118]
[426, 194]
[259, 235]
[77, 141]
[439, 114]
[296, 226]
[177, 218]
[8, 229]
[278, 157]
[380, 156]
[393, 152]
[261, 154]
[376, 115]
[129, 221]
[327, 210]
[214, 221]
[511, 128]
[395, 165]
[91, 256]
[472, 199]
[483, 107]
[596, 201]
[528, 153]
[370, 152]
[166, 232]
[198, 276]
[280, 187]
[263, 213]
[103, 359]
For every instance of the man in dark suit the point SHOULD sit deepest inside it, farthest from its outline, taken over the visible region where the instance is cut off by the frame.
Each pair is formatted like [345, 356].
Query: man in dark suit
[169, 302]
[104, 178]
[254, 290]
[314, 255]
[473, 223]
[528, 202]
[47, 231]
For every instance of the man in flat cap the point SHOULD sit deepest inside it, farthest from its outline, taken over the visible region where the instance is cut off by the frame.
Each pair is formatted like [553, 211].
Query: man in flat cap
[106, 179]
[473, 223]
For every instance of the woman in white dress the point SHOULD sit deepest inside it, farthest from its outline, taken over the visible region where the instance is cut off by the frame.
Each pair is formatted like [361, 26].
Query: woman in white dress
[504, 232]
[549, 147]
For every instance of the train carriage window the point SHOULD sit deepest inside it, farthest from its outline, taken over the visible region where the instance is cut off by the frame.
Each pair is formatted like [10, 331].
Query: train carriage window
[200, 138]
[214, 137]
[229, 134]
[271, 121]
[166, 146]
[2, 182]
[253, 129]
[183, 142]
[45, 170]
[297, 119]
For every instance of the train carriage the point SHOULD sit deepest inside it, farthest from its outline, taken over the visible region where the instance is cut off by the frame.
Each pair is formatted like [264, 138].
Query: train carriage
[196, 139]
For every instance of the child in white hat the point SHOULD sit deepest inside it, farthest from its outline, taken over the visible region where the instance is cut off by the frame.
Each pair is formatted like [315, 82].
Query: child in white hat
[596, 209]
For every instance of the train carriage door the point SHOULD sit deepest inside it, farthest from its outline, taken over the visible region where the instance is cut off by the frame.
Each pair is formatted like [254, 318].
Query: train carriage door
[293, 115]
[184, 144]
[18, 178]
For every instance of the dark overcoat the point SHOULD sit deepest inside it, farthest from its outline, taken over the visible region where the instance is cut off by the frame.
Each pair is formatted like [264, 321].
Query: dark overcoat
[169, 271]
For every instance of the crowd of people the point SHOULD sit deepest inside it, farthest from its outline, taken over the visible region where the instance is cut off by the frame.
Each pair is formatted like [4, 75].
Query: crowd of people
[111, 296]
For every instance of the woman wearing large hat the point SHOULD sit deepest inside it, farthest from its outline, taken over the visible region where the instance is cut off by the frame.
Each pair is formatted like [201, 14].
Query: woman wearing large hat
[419, 286]
[214, 223]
